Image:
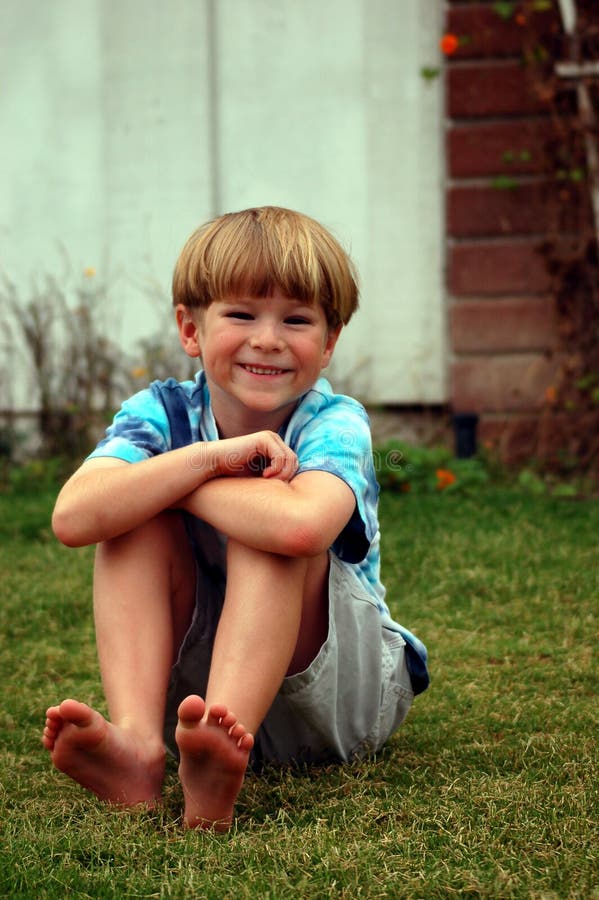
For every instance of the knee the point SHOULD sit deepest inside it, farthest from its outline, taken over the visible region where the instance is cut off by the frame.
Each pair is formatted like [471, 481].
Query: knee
[162, 535]
[168, 525]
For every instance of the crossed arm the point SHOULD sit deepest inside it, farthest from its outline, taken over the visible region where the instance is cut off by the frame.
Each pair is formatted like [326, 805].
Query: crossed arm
[275, 512]
[298, 518]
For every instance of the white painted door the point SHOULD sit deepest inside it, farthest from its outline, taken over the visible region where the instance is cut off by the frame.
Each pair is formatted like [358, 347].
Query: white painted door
[323, 108]
[127, 123]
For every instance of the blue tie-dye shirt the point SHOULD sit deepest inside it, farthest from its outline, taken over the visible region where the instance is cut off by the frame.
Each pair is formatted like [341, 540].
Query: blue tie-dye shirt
[328, 432]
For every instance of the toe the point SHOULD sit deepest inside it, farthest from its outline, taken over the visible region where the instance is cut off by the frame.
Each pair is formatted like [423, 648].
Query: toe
[237, 731]
[228, 721]
[191, 709]
[217, 712]
[246, 742]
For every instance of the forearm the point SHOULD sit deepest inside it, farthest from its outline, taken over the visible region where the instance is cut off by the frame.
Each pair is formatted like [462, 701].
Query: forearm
[99, 503]
[254, 511]
[298, 518]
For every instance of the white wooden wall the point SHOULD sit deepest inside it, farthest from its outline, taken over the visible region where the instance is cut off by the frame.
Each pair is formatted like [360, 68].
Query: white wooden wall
[126, 123]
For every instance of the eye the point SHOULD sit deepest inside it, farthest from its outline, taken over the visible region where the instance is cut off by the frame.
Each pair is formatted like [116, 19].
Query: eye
[297, 320]
[238, 314]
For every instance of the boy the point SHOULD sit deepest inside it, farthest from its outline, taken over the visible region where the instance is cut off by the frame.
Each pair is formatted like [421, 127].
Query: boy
[237, 568]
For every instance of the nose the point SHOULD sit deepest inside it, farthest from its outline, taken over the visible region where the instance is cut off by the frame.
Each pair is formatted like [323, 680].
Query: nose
[266, 335]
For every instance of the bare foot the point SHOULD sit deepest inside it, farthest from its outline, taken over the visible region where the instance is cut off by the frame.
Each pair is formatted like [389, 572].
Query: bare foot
[214, 749]
[114, 763]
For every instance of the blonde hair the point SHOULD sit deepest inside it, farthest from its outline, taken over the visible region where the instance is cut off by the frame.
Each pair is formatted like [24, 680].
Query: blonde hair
[256, 251]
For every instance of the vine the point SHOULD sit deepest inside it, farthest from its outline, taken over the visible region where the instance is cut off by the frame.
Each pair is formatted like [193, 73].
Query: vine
[560, 65]
[568, 432]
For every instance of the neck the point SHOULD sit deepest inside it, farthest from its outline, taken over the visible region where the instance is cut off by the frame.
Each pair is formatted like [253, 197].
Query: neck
[233, 423]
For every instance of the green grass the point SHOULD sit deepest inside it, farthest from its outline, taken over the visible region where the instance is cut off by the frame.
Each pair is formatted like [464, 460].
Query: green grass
[488, 790]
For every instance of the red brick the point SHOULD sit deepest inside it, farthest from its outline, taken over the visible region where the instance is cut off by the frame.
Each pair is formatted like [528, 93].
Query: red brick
[492, 269]
[515, 325]
[515, 383]
[483, 90]
[483, 32]
[483, 211]
[518, 208]
[550, 435]
[498, 148]
[512, 437]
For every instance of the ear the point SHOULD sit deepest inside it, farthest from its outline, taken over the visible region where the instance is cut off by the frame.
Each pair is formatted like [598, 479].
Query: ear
[188, 330]
[332, 337]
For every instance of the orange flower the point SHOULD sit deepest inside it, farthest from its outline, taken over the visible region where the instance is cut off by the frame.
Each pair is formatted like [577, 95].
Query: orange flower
[89, 271]
[449, 43]
[551, 395]
[520, 19]
[444, 479]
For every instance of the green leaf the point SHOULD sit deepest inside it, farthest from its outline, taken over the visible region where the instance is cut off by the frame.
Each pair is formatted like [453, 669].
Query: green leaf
[504, 9]
[565, 490]
[540, 54]
[504, 183]
[531, 483]
[586, 381]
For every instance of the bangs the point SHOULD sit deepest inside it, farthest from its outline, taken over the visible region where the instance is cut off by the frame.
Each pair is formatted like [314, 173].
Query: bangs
[257, 251]
[246, 259]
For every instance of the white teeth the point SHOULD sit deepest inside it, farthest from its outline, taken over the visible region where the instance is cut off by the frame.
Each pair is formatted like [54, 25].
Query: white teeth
[257, 370]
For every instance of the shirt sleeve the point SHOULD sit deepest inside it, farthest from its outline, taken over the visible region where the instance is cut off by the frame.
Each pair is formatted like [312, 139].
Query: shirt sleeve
[139, 430]
[337, 440]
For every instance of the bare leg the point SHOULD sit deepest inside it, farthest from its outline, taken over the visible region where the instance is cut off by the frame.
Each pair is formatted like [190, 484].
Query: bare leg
[260, 638]
[143, 599]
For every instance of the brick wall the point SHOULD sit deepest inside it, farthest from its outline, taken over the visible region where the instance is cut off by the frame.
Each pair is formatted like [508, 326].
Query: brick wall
[504, 333]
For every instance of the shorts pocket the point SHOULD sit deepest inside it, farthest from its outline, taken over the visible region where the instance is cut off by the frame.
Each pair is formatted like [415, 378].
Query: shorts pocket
[398, 695]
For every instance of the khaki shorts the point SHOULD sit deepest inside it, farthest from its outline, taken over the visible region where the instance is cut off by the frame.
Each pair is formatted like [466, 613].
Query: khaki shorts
[346, 704]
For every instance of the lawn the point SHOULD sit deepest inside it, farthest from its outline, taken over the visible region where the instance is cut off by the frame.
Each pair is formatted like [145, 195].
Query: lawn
[488, 790]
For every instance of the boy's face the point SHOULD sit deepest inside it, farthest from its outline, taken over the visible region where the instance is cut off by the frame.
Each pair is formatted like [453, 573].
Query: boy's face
[259, 355]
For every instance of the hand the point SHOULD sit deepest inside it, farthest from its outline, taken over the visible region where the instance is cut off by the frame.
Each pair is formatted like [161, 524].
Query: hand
[263, 454]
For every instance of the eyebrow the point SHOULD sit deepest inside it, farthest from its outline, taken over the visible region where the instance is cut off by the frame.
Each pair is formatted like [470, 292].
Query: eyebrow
[291, 301]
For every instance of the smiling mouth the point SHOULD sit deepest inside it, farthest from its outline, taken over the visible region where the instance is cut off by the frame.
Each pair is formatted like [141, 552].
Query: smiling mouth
[263, 370]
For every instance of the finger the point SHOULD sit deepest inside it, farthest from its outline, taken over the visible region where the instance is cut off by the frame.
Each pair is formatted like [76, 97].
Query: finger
[275, 467]
[283, 466]
[291, 464]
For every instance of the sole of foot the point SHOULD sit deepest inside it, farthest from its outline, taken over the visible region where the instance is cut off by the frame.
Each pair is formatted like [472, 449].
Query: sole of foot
[214, 748]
